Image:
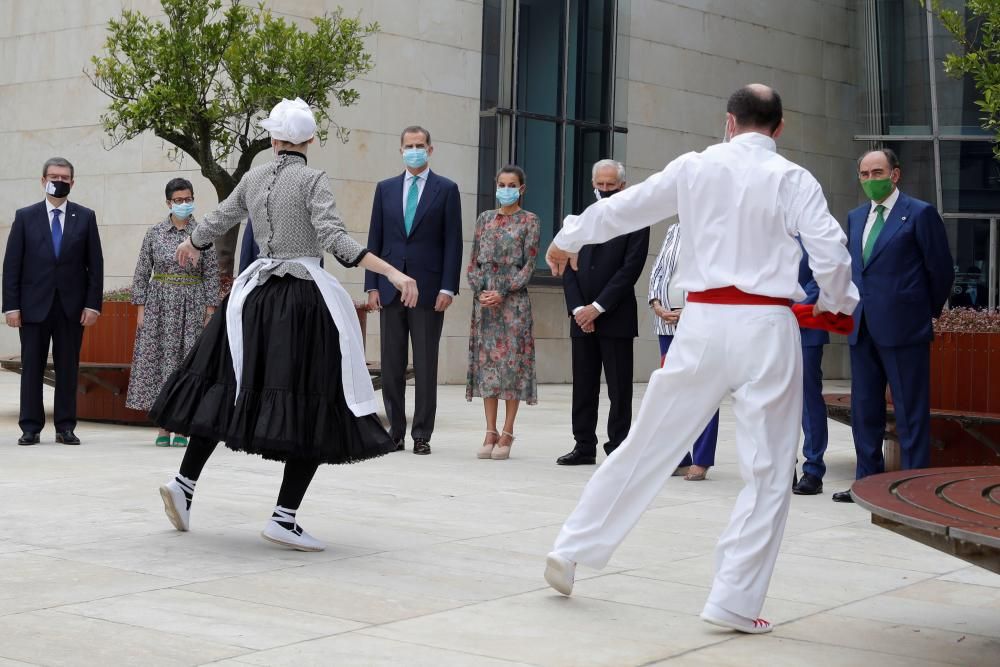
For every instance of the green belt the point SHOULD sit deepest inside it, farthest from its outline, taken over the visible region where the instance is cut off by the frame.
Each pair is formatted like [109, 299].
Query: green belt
[177, 279]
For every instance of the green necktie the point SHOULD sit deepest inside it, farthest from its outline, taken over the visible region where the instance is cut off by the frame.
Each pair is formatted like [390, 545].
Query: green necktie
[873, 234]
[412, 196]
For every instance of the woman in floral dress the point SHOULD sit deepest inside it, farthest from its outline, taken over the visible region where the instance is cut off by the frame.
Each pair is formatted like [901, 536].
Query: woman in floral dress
[174, 303]
[501, 343]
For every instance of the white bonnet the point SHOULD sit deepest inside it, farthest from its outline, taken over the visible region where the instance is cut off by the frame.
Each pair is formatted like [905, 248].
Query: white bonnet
[291, 121]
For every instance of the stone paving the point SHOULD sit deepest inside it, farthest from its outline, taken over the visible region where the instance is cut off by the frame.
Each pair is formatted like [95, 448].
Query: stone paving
[437, 561]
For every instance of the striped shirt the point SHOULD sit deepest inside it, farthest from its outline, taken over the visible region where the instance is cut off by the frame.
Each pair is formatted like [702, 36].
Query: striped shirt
[659, 278]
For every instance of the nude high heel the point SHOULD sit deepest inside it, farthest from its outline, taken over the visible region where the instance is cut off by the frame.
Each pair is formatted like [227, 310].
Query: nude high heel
[488, 444]
[501, 451]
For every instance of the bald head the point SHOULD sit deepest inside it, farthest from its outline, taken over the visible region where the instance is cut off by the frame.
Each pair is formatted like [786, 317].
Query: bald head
[756, 108]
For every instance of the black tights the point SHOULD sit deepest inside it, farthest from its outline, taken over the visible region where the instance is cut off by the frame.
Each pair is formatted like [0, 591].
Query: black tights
[294, 483]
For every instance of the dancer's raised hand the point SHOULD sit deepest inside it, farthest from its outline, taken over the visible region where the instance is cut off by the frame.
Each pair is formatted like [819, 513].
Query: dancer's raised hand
[407, 287]
[557, 259]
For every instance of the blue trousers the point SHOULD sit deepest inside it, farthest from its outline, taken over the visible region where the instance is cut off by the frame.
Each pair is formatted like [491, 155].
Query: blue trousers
[814, 428]
[908, 371]
[704, 446]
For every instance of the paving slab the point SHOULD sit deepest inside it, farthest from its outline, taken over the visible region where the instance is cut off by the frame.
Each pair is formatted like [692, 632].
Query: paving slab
[437, 561]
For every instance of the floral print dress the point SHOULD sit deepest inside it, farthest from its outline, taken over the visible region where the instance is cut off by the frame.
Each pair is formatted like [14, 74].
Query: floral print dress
[175, 300]
[501, 342]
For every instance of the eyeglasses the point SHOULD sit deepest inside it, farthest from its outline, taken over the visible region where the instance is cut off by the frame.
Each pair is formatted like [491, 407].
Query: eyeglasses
[185, 200]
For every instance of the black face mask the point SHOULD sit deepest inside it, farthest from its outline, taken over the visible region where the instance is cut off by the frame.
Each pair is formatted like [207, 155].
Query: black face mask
[57, 189]
[604, 194]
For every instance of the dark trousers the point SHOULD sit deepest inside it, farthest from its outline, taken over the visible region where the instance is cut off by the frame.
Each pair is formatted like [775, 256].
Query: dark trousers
[703, 452]
[814, 427]
[907, 370]
[66, 334]
[590, 354]
[399, 327]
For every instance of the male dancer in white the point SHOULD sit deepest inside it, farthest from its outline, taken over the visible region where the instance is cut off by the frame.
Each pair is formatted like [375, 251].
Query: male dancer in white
[741, 206]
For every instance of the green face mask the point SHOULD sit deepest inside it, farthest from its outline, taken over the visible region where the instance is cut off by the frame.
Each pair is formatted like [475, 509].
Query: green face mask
[877, 189]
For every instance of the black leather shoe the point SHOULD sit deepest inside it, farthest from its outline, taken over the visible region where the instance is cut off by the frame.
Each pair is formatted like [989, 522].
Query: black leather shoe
[809, 485]
[577, 458]
[401, 445]
[608, 448]
[67, 438]
[421, 446]
[843, 497]
[28, 439]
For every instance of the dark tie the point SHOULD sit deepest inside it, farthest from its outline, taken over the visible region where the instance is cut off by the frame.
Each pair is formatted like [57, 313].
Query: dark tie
[873, 234]
[56, 231]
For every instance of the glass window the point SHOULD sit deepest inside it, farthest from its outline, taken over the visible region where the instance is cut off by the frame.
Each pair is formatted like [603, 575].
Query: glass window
[539, 51]
[970, 242]
[552, 113]
[905, 76]
[970, 177]
[536, 155]
[916, 166]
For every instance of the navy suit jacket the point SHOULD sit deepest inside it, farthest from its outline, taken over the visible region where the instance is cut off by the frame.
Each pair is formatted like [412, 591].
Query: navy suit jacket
[432, 253]
[32, 274]
[810, 337]
[607, 273]
[908, 277]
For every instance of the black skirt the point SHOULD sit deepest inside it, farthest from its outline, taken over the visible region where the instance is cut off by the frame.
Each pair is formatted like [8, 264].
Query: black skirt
[291, 403]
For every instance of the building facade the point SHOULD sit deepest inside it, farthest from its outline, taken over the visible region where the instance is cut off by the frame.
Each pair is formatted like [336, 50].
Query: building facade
[552, 85]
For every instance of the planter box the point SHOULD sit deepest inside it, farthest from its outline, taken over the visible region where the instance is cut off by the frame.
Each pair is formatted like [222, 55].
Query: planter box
[965, 377]
[106, 364]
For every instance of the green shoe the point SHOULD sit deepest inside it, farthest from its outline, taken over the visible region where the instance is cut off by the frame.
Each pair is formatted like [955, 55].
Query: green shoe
[179, 441]
[163, 441]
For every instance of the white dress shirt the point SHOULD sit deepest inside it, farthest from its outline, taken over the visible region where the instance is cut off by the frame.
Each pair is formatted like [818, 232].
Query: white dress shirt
[889, 202]
[741, 206]
[409, 180]
[62, 214]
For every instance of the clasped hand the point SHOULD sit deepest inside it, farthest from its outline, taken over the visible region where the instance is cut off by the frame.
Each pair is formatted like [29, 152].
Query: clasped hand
[490, 299]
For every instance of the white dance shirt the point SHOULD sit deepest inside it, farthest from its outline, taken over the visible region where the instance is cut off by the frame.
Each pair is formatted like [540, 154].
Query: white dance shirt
[741, 208]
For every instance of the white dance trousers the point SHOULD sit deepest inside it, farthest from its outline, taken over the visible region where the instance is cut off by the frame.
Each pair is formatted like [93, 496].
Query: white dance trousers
[752, 353]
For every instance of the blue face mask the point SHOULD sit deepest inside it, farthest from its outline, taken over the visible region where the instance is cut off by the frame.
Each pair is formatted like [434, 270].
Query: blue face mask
[507, 196]
[182, 211]
[415, 157]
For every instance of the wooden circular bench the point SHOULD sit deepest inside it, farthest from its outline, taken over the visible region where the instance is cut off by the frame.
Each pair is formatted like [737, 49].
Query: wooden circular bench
[954, 510]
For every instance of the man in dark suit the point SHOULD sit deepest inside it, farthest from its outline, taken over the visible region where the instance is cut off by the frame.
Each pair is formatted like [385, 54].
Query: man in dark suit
[53, 277]
[600, 298]
[814, 427]
[904, 270]
[416, 226]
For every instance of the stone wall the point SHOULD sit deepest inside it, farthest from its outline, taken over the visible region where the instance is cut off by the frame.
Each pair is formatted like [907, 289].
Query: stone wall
[681, 62]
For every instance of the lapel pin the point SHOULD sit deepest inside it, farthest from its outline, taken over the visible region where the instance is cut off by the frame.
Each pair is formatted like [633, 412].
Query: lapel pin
[903, 219]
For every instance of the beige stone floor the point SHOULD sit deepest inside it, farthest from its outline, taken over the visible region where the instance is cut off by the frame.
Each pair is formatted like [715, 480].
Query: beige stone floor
[437, 561]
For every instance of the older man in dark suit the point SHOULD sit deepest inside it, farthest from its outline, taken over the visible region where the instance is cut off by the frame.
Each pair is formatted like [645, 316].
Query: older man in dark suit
[416, 226]
[600, 298]
[53, 276]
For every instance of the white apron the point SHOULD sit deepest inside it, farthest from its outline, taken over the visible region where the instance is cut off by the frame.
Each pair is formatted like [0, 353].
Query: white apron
[358, 390]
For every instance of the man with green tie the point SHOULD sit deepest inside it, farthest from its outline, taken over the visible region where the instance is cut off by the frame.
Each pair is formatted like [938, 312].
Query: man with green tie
[904, 270]
[416, 226]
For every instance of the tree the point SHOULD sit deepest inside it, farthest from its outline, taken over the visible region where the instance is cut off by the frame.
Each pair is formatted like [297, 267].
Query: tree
[976, 28]
[203, 78]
